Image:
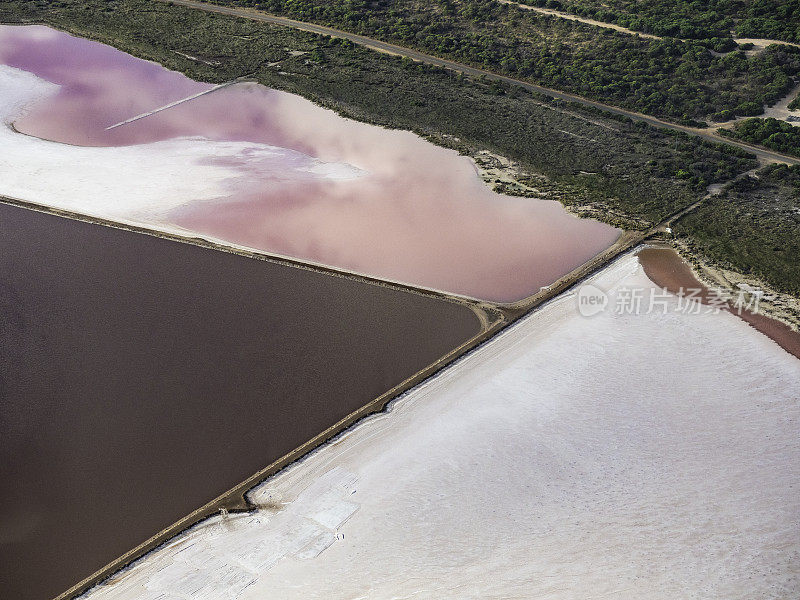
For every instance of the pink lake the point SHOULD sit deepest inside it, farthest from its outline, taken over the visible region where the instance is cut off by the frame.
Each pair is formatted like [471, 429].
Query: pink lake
[309, 184]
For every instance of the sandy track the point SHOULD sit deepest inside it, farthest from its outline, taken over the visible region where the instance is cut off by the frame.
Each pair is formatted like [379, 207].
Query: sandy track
[562, 15]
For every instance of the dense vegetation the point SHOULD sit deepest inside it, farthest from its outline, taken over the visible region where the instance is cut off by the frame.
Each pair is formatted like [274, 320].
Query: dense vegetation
[669, 78]
[771, 19]
[709, 20]
[770, 133]
[620, 171]
[795, 104]
[753, 227]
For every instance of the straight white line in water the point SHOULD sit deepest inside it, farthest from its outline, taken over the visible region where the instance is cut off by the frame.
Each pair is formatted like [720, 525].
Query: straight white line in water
[170, 105]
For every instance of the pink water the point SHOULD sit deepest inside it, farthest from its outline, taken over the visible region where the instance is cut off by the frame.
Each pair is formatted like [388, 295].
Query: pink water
[420, 214]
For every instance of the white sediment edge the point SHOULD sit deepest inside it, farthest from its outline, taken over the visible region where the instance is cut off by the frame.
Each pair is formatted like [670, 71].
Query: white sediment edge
[139, 184]
[628, 456]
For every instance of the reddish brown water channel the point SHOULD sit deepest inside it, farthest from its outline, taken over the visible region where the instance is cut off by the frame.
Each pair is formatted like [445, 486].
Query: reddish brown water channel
[309, 184]
[140, 378]
[666, 268]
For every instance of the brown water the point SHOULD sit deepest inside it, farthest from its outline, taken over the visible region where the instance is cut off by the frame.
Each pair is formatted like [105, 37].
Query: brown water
[667, 269]
[418, 214]
[140, 378]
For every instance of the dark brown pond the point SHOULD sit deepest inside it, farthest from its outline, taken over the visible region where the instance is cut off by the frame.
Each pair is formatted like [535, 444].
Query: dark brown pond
[140, 378]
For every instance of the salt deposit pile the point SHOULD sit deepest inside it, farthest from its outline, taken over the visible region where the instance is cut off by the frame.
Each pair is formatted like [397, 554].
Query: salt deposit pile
[630, 456]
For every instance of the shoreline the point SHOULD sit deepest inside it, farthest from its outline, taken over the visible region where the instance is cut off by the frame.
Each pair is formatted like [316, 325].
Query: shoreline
[505, 176]
[665, 267]
[711, 273]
